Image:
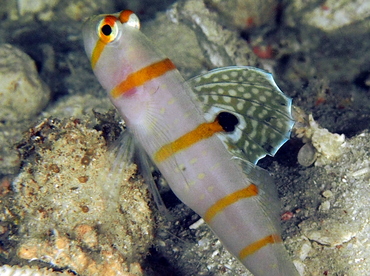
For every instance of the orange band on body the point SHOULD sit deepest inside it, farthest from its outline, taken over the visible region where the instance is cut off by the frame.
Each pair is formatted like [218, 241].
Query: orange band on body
[253, 247]
[203, 131]
[142, 76]
[221, 204]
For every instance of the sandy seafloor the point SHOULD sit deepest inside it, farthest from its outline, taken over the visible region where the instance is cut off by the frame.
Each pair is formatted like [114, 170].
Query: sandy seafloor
[53, 212]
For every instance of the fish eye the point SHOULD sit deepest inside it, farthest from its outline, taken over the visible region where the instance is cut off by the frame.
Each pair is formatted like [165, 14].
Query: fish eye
[108, 29]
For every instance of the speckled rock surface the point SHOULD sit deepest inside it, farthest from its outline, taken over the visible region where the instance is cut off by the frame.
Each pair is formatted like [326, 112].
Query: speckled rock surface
[330, 206]
[323, 67]
[7, 270]
[67, 187]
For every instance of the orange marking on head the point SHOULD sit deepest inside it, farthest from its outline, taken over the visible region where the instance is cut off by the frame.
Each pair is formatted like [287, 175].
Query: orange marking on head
[103, 40]
[203, 131]
[221, 204]
[253, 247]
[142, 76]
[124, 16]
[99, 47]
[109, 20]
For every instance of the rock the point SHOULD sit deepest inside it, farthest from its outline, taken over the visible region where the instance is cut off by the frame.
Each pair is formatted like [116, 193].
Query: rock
[246, 13]
[47, 10]
[327, 232]
[7, 270]
[321, 145]
[307, 155]
[68, 187]
[197, 39]
[330, 15]
[332, 31]
[42, 7]
[22, 93]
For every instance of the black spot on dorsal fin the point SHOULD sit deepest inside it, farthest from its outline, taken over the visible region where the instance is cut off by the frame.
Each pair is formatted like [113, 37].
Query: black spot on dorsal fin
[228, 121]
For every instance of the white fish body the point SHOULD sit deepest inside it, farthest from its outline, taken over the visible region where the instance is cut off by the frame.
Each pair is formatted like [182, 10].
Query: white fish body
[199, 143]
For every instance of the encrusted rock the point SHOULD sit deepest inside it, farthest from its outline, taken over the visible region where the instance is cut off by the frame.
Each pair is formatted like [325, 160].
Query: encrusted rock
[7, 270]
[74, 208]
[321, 145]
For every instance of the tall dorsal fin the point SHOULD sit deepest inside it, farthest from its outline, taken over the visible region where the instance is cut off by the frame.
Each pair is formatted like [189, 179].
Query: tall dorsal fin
[251, 94]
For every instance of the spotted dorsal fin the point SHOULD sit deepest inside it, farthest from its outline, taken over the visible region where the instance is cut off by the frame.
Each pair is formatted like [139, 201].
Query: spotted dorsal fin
[262, 110]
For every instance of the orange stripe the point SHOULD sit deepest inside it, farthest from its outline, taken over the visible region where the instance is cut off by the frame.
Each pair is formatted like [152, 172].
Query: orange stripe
[251, 190]
[99, 47]
[203, 131]
[253, 247]
[143, 75]
[103, 40]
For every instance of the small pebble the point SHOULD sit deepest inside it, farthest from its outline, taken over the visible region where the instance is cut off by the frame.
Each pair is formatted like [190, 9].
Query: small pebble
[307, 155]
